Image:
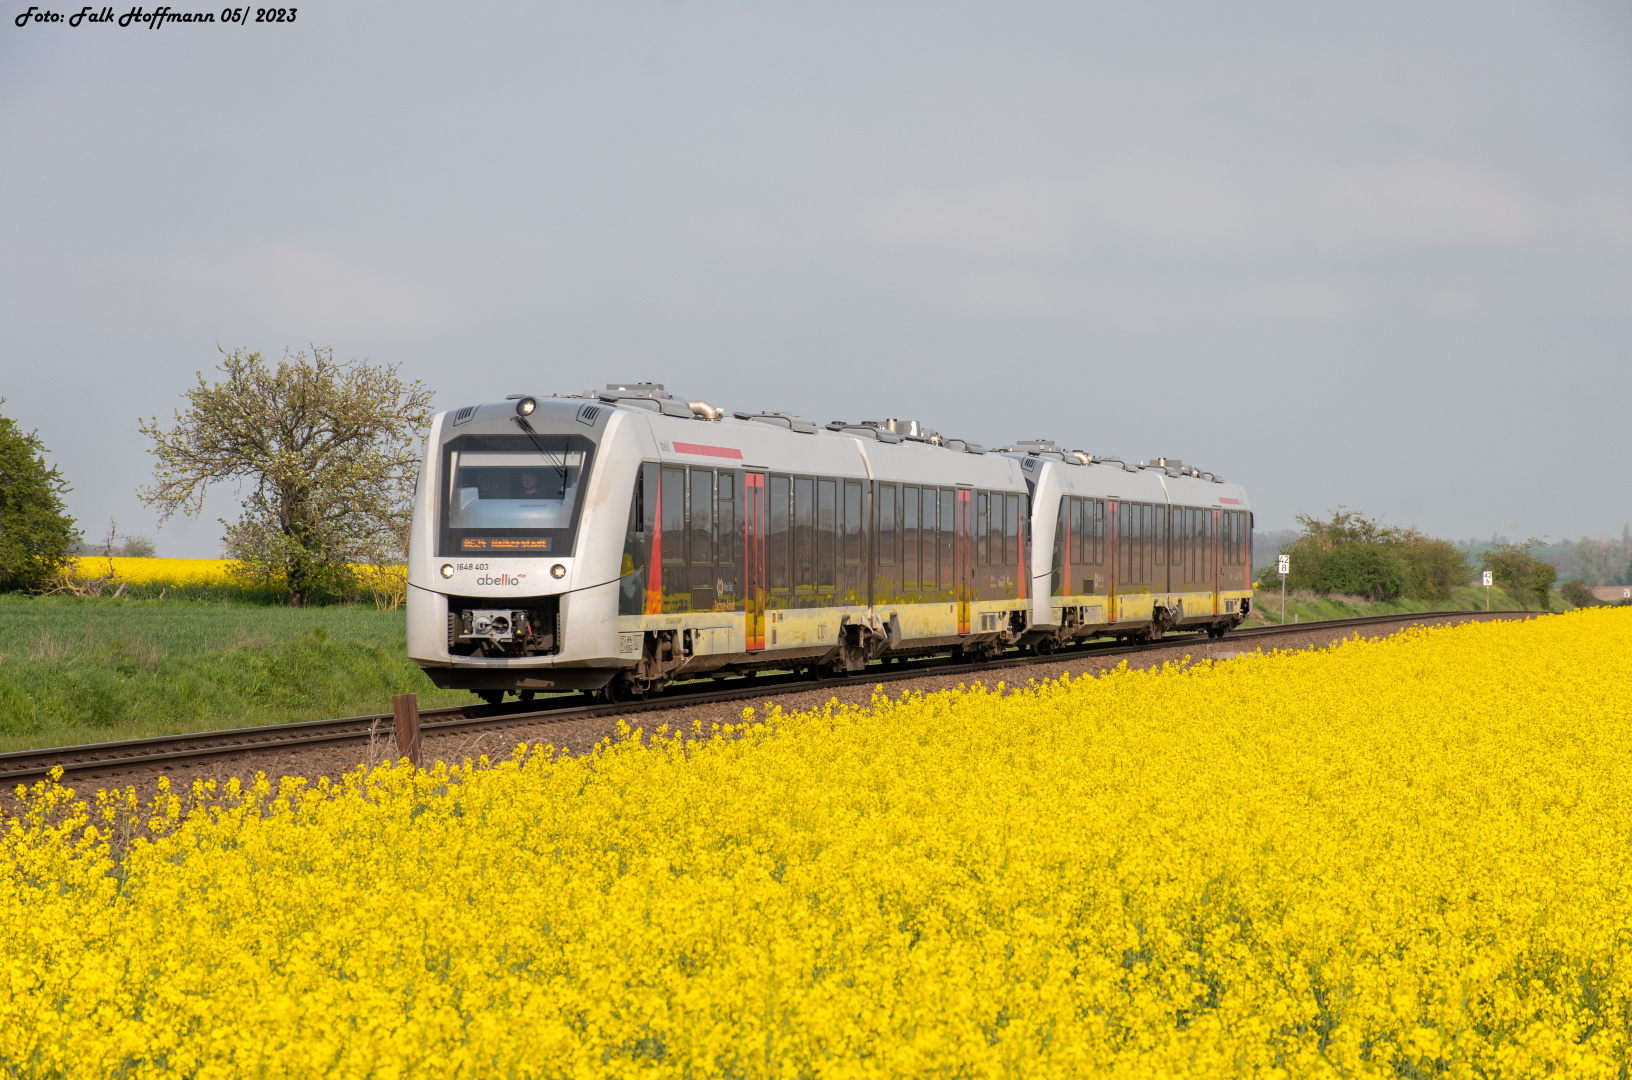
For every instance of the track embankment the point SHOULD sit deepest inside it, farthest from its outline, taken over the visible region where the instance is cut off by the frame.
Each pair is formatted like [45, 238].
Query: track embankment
[575, 725]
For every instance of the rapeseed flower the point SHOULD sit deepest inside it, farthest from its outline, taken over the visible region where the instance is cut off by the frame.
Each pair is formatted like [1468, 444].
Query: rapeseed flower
[1393, 857]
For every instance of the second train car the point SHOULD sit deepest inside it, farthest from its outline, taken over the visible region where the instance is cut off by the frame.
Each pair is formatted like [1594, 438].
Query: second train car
[624, 538]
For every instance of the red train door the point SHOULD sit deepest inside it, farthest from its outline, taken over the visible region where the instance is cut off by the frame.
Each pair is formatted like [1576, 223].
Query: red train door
[753, 557]
[963, 557]
[1113, 558]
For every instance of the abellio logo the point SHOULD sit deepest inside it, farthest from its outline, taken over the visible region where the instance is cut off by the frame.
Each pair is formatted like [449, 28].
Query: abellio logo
[502, 579]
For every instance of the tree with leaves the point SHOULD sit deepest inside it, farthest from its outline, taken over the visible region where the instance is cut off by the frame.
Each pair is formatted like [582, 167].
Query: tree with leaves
[1520, 574]
[329, 452]
[1357, 556]
[36, 533]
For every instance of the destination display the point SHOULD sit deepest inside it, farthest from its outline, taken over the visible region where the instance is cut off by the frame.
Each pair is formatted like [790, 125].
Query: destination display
[504, 543]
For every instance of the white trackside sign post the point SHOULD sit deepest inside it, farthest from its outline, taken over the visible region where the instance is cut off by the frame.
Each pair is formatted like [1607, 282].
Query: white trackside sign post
[1283, 565]
[1487, 577]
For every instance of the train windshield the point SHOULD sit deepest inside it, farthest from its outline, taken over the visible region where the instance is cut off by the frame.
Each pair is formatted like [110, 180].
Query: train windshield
[513, 496]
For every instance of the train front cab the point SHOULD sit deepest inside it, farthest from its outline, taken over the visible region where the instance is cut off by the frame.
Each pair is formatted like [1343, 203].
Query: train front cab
[688, 548]
[512, 566]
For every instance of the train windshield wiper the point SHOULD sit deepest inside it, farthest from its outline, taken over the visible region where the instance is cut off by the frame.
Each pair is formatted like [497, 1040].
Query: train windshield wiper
[521, 422]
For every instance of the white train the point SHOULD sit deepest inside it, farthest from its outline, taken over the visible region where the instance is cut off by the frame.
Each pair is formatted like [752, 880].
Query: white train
[617, 540]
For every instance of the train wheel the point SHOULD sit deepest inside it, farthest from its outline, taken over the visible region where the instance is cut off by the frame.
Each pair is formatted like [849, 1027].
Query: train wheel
[526, 695]
[492, 697]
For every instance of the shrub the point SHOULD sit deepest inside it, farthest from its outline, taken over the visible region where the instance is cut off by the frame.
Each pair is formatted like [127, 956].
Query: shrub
[1520, 574]
[1576, 592]
[1433, 567]
[1357, 556]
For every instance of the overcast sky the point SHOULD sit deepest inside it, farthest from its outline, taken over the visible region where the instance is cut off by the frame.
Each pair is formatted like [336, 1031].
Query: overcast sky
[1376, 255]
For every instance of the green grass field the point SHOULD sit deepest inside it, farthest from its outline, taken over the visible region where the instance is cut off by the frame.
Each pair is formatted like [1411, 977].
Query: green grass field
[76, 671]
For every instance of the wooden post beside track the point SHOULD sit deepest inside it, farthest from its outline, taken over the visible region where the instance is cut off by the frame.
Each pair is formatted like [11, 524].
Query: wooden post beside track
[406, 709]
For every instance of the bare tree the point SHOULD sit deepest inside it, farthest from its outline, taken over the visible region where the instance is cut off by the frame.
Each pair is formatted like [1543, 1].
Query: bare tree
[330, 449]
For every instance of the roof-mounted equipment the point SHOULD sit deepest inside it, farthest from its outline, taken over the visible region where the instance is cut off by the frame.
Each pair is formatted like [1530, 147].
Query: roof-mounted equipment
[908, 429]
[864, 431]
[791, 421]
[642, 395]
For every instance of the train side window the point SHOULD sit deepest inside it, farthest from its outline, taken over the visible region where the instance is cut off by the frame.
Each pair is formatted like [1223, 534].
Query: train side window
[804, 532]
[637, 506]
[1190, 545]
[1074, 524]
[1198, 545]
[1124, 549]
[1180, 545]
[929, 533]
[886, 524]
[1142, 523]
[852, 523]
[702, 517]
[1012, 531]
[949, 537]
[982, 501]
[778, 545]
[1025, 531]
[727, 527]
[827, 532]
[1161, 536]
[909, 538]
[1062, 548]
[1147, 544]
[636, 549]
[674, 515]
[1134, 513]
[994, 531]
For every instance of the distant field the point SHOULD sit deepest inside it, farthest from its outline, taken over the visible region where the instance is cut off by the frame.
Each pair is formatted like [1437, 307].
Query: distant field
[170, 571]
[210, 579]
[86, 670]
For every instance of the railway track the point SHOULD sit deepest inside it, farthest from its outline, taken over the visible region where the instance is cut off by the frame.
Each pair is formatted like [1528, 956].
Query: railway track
[115, 757]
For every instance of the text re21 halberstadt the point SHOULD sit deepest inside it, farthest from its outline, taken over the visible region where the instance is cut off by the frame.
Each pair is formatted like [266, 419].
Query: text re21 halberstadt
[158, 17]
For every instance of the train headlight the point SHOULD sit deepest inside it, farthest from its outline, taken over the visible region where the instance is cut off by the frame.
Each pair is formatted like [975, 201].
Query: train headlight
[525, 406]
[447, 569]
[558, 571]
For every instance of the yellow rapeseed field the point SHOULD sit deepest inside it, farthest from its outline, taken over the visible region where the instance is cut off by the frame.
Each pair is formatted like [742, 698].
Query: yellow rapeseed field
[1402, 858]
[388, 583]
[166, 571]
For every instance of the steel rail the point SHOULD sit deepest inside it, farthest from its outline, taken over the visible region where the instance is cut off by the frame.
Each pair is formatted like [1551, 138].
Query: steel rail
[123, 755]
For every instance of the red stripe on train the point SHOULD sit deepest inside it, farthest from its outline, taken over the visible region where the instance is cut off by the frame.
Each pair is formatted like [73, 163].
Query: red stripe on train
[707, 451]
